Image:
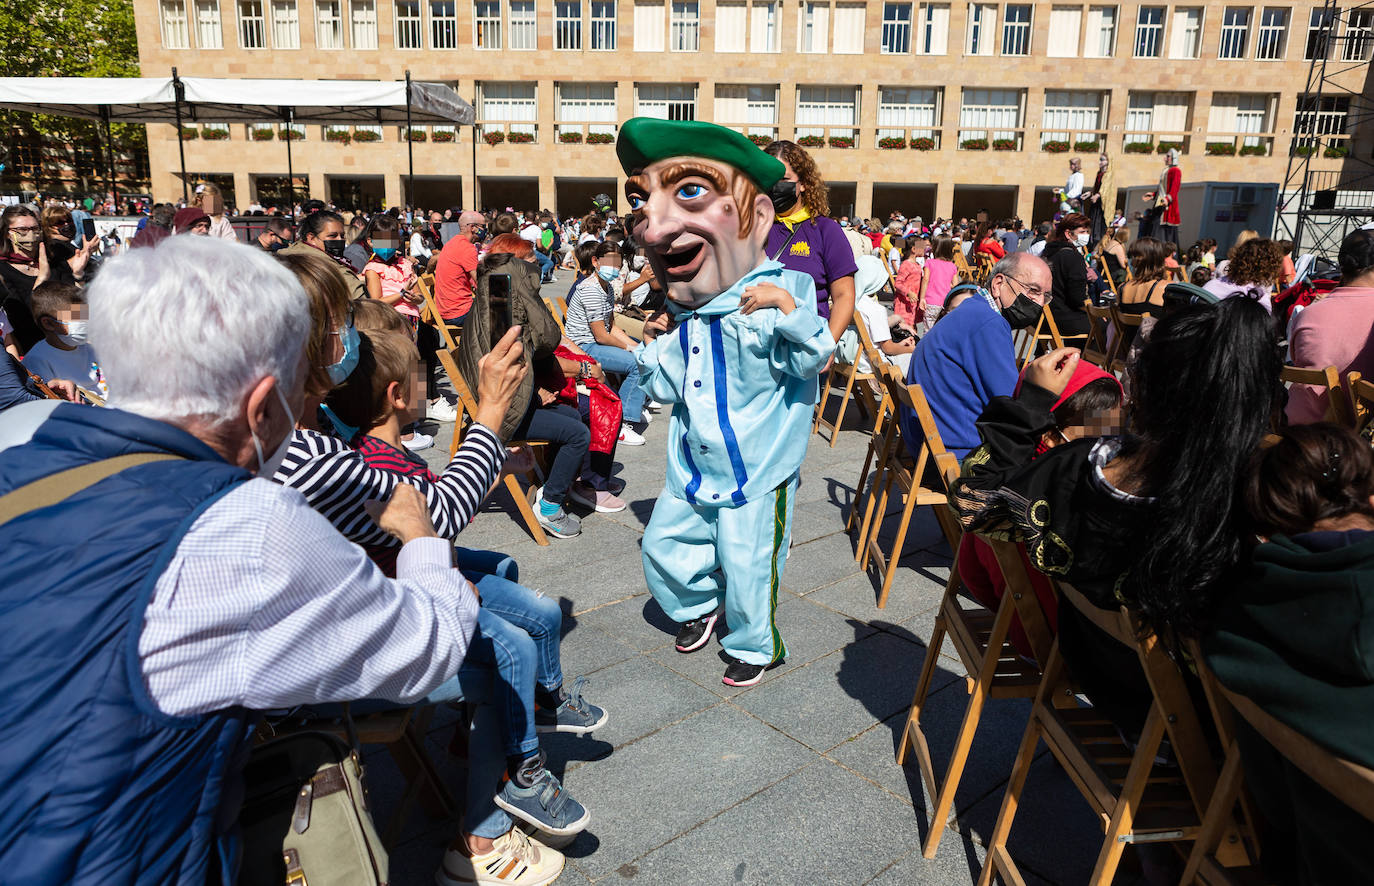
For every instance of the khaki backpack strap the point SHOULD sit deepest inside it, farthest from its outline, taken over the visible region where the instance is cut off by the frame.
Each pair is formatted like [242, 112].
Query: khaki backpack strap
[59, 487]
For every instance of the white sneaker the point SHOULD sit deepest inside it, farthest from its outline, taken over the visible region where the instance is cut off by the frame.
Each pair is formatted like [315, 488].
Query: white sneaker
[440, 409]
[629, 437]
[417, 442]
[515, 859]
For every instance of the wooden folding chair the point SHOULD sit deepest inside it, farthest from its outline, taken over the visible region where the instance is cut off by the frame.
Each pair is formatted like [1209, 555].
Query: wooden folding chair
[467, 413]
[1095, 348]
[1046, 335]
[1136, 799]
[982, 267]
[1121, 342]
[893, 470]
[557, 314]
[431, 315]
[994, 668]
[1107, 276]
[1349, 782]
[1361, 400]
[961, 263]
[1338, 405]
[850, 374]
[883, 412]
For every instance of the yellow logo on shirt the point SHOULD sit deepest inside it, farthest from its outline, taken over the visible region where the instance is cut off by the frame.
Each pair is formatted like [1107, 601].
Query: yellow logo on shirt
[800, 249]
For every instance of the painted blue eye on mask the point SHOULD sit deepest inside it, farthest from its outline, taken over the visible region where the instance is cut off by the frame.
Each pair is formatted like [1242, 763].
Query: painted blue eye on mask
[384, 253]
[348, 337]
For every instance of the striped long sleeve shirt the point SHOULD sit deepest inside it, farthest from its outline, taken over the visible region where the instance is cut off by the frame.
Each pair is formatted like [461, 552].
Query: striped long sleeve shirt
[337, 481]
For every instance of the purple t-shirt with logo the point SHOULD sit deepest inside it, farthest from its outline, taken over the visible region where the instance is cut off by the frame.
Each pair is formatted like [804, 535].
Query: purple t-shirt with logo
[819, 249]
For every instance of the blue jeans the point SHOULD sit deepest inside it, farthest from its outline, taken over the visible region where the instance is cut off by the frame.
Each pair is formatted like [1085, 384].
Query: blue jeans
[621, 362]
[545, 264]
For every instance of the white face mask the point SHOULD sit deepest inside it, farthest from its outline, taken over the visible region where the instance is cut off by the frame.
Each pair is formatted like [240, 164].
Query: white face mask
[1081, 240]
[267, 468]
[76, 334]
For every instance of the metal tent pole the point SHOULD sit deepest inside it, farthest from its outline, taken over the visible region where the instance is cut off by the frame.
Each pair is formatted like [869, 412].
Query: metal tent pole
[178, 94]
[111, 174]
[290, 115]
[410, 151]
[476, 188]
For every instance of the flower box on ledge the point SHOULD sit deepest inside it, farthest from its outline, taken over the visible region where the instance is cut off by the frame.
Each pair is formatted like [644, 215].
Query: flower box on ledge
[261, 135]
[189, 133]
[811, 141]
[417, 135]
[974, 144]
[1139, 147]
[366, 135]
[891, 143]
[338, 136]
[1335, 151]
[494, 138]
[570, 138]
[923, 144]
[1054, 147]
[1004, 144]
[214, 135]
[599, 138]
[290, 135]
[1086, 147]
[442, 135]
[520, 138]
[1254, 151]
[841, 141]
[1221, 149]
[762, 141]
[1166, 147]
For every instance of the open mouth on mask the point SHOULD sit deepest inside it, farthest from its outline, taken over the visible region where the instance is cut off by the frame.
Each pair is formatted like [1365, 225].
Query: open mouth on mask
[682, 262]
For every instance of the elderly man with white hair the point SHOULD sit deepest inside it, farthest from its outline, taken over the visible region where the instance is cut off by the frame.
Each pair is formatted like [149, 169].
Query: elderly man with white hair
[158, 591]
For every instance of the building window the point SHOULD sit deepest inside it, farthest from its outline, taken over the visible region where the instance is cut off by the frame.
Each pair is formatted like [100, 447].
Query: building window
[209, 34]
[934, 29]
[363, 15]
[752, 110]
[666, 101]
[524, 26]
[1065, 23]
[1235, 32]
[1072, 116]
[567, 24]
[686, 26]
[1149, 113]
[906, 110]
[813, 26]
[764, 33]
[1149, 31]
[990, 115]
[896, 38]
[252, 26]
[328, 24]
[1321, 27]
[603, 25]
[1101, 42]
[486, 19]
[1359, 35]
[1016, 30]
[827, 110]
[443, 24]
[409, 29]
[732, 22]
[849, 29]
[510, 106]
[649, 26]
[982, 28]
[592, 104]
[1186, 37]
[286, 25]
[175, 32]
[1318, 116]
[1269, 42]
[1240, 112]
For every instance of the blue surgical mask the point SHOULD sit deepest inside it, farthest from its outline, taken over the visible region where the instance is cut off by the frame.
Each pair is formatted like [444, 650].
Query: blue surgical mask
[384, 253]
[608, 273]
[348, 337]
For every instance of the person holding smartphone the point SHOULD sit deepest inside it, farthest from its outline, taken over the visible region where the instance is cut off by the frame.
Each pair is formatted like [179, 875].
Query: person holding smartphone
[68, 261]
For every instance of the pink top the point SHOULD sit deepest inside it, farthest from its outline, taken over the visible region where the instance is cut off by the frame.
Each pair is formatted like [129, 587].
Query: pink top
[395, 278]
[1338, 331]
[940, 277]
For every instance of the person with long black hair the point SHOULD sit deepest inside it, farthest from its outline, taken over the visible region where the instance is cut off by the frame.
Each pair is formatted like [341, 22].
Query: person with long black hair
[323, 231]
[1146, 515]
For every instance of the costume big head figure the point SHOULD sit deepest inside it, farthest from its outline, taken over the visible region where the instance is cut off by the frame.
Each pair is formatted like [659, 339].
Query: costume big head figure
[736, 354]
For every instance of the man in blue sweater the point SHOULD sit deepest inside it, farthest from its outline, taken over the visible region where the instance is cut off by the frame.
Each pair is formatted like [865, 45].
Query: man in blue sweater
[966, 359]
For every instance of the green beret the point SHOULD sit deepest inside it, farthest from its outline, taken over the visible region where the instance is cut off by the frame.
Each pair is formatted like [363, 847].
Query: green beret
[646, 140]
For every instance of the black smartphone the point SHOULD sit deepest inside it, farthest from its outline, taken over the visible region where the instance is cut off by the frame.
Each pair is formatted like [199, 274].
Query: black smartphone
[499, 306]
[88, 228]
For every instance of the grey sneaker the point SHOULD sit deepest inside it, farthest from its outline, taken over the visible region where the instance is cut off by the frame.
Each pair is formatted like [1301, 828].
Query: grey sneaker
[544, 803]
[559, 524]
[574, 715]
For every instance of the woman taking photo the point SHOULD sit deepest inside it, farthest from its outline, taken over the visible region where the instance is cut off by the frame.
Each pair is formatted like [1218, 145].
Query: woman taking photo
[66, 261]
[805, 239]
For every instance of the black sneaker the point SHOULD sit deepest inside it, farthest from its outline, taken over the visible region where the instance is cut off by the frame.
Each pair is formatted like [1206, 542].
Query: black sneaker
[694, 634]
[741, 673]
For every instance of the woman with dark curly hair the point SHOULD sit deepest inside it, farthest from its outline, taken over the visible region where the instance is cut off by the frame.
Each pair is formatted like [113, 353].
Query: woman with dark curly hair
[804, 238]
[1252, 271]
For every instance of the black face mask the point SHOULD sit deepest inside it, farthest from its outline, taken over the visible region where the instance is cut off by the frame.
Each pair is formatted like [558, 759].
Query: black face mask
[784, 196]
[335, 247]
[1022, 313]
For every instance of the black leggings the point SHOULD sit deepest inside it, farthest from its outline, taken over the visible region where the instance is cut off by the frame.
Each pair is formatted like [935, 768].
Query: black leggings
[562, 426]
[427, 341]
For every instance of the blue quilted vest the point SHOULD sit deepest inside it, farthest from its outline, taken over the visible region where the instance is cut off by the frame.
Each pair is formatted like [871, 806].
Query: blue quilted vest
[97, 786]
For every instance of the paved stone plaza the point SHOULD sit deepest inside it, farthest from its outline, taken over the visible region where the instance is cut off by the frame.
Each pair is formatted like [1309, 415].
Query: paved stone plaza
[788, 782]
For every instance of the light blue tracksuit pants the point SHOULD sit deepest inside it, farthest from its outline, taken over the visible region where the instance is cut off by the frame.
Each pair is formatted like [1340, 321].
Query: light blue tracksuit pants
[688, 550]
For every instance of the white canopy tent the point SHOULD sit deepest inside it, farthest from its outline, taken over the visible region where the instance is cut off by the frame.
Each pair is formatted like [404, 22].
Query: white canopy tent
[179, 100]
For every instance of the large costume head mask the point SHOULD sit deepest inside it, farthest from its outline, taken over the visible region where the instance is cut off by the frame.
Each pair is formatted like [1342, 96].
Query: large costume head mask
[700, 199]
